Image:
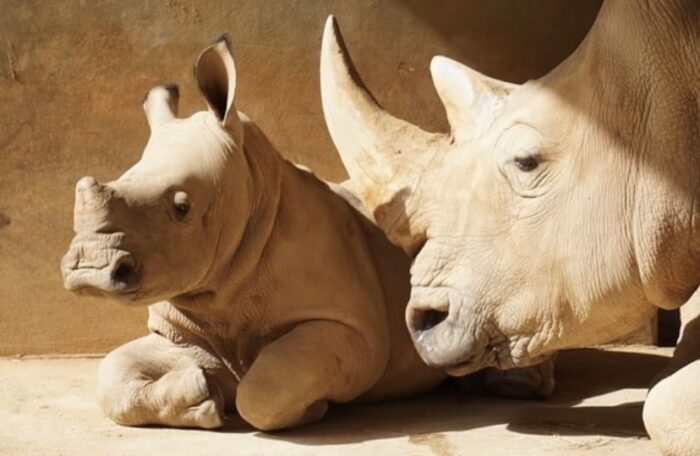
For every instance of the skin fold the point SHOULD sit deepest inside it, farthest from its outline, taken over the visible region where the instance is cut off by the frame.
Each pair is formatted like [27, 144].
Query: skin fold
[555, 214]
[273, 293]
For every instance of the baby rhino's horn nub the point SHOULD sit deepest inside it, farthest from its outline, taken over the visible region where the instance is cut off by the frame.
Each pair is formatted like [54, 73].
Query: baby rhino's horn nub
[88, 194]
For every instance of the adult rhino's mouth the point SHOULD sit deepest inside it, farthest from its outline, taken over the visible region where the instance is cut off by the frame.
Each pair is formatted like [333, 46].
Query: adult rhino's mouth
[451, 336]
[96, 265]
[439, 337]
[444, 340]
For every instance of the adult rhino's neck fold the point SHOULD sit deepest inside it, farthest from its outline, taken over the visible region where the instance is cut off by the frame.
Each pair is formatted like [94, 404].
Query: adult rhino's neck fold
[635, 81]
[636, 46]
[636, 78]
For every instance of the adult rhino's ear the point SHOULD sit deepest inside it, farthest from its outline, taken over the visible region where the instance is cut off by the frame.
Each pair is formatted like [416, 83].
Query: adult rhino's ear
[160, 104]
[472, 101]
[215, 73]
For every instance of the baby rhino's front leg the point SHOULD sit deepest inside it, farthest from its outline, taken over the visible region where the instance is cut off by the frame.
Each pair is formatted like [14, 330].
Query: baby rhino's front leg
[154, 381]
[294, 377]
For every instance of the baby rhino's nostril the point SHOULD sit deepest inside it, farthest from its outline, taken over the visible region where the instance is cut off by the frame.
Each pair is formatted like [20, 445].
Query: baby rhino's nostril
[122, 273]
[425, 320]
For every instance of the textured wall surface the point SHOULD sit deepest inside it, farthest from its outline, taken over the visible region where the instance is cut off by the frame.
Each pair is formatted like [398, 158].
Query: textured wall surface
[72, 74]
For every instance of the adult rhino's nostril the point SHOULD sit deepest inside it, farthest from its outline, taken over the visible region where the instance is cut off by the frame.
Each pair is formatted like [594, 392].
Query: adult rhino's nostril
[425, 320]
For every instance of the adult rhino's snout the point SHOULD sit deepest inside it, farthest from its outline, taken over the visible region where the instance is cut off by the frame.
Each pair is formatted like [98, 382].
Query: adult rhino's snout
[440, 340]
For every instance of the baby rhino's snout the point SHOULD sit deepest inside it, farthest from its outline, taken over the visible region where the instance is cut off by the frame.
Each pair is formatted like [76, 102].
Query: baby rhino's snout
[97, 261]
[95, 265]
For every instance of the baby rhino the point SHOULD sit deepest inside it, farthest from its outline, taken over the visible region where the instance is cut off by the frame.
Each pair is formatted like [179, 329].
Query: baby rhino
[274, 293]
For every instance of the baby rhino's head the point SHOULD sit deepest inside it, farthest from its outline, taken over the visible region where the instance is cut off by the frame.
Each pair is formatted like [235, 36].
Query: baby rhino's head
[159, 230]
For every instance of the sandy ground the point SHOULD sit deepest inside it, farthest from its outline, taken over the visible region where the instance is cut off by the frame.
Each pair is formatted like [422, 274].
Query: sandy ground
[47, 407]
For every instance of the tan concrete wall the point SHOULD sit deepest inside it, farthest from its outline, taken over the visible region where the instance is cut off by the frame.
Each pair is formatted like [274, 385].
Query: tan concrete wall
[72, 74]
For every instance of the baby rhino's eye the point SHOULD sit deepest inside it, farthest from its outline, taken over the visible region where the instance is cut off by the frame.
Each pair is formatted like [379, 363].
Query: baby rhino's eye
[181, 206]
[182, 209]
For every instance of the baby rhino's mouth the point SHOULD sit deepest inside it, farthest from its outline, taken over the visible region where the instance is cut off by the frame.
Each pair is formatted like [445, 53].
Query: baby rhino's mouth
[95, 265]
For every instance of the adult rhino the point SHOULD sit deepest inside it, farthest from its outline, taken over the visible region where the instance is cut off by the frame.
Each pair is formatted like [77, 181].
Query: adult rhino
[558, 213]
[277, 295]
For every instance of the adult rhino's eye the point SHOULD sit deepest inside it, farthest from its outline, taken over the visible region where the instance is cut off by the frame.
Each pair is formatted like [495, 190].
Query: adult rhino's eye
[181, 206]
[526, 164]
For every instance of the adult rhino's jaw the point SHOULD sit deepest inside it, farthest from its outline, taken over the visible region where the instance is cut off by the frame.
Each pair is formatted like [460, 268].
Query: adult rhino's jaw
[96, 265]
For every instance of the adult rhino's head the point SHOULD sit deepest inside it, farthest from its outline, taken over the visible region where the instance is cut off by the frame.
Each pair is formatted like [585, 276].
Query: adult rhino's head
[159, 230]
[543, 220]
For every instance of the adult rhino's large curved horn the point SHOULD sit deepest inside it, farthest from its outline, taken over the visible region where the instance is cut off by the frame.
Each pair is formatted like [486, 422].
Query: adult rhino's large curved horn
[383, 155]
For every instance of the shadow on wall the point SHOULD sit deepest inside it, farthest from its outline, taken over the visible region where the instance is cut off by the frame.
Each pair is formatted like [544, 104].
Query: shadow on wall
[511, 40]
[581, 375]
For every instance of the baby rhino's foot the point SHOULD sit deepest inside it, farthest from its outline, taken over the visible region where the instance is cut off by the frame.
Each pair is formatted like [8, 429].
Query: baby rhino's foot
[186, 400]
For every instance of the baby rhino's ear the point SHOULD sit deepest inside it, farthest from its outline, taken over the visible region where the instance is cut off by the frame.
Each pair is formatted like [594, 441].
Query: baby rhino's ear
[215, 73]
[160, 104]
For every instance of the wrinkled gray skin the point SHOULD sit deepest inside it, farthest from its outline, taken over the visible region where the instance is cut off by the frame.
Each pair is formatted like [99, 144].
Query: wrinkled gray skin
[277, 295]
[556, 214]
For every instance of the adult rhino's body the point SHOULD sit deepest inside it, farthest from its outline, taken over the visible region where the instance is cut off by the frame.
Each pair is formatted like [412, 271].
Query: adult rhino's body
[278, 295]
[556, 214]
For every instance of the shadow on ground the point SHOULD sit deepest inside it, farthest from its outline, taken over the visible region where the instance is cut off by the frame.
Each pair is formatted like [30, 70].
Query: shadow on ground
[584, 377]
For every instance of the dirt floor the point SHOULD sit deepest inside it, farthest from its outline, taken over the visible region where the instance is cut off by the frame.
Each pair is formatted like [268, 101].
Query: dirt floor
[47, 407]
